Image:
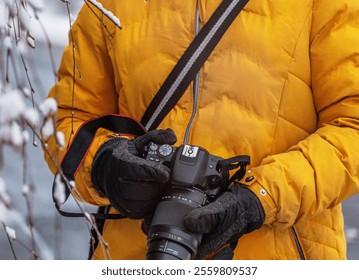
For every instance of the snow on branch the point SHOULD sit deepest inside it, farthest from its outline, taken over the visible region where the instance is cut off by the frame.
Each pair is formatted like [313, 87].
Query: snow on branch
[59, 190]
[106, 12]
[4, 197]
[13, 113]
[21, 112]
[10, 232]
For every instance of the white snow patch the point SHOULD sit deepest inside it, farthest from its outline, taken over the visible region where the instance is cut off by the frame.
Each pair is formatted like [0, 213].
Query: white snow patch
[11, 106]
[31, 116]
[25, 190]
[60, 137]
[47, 129]
[106, 12]
[59, 190]
[48, 107]
[10, 232]
[351, 234]
[4, 197]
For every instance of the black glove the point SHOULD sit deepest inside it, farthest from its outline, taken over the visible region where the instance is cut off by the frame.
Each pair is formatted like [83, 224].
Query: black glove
[131, 183]
[234, 213]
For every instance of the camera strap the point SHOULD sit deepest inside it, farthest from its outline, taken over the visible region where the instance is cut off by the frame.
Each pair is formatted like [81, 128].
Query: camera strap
[191, 61]
[236, 162]
[165, 99]
[77, 152]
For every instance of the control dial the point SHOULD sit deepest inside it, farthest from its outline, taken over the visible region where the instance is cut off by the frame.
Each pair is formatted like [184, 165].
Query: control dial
[165, 150]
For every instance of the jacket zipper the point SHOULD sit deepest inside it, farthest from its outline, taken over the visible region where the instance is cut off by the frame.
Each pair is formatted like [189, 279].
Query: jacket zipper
[195, 84]
[297, 243]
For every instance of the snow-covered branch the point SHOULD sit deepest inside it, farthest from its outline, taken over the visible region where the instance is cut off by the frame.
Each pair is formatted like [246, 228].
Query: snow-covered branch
[106, 12]
[22, 110]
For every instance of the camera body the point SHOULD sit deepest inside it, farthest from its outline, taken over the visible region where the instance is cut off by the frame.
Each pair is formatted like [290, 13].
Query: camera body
[195, 180]
[190, 166]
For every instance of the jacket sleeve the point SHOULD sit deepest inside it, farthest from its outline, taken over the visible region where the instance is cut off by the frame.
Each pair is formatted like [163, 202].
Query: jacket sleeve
[85, 89]
[322, 170]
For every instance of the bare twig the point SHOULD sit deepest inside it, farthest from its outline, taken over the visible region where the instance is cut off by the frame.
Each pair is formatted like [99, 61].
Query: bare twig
[82, 208]
[10, 241]
[74, 67]
[10, 56]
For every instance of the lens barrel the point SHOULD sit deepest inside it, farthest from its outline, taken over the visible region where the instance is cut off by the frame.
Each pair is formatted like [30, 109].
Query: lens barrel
[168, 238]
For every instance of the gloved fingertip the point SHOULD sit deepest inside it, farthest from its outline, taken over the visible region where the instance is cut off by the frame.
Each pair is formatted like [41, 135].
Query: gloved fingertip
[166, 136]
[170, 131]
[161, 136]
[160, 173]
[163, 177]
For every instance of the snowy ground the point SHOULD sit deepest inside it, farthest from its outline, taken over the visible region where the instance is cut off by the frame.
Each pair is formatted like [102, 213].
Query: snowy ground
[71, 240]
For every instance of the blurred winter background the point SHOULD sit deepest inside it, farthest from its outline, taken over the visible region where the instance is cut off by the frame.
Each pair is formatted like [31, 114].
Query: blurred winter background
[52, 236]
[29, 182]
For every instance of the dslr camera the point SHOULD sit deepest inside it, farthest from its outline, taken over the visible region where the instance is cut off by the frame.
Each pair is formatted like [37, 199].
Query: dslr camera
[196, 179]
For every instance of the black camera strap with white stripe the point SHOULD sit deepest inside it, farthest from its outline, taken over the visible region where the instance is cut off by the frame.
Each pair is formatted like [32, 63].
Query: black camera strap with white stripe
[191, 61]
[166, 98]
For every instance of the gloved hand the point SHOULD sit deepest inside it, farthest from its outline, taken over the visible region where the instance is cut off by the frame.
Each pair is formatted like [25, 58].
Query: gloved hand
[234, 213]
[132, 184]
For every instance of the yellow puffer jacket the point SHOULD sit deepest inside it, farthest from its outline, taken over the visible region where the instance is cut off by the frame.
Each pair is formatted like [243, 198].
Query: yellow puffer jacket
[281, 86]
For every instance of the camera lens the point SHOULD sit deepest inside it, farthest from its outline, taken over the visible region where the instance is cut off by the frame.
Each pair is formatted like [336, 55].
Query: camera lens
[168, 238]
